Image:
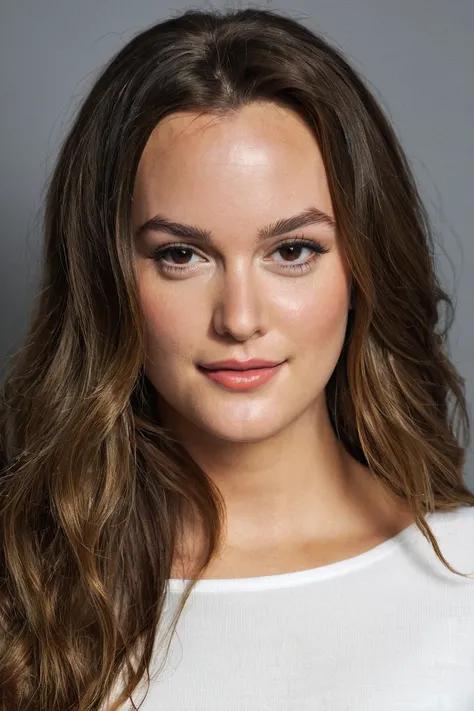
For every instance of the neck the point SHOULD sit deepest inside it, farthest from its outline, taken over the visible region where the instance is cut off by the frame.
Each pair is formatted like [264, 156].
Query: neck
[299, 484]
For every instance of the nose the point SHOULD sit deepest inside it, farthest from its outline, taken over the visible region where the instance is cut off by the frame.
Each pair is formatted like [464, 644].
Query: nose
[239, 308]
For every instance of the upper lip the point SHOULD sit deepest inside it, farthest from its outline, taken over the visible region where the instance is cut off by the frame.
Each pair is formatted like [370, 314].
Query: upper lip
[240, 364]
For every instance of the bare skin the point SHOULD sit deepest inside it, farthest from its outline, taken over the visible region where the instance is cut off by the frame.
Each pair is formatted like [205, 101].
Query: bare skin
[295, 499]
[375, 516]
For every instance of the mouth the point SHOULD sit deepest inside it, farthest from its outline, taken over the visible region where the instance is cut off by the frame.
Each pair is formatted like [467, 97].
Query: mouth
[238, 379]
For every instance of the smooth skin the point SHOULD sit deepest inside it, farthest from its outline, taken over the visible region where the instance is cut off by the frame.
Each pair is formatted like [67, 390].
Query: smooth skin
[294, 497]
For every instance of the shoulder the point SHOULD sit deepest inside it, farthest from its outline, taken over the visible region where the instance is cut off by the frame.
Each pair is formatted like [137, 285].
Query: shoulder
[455, 523]
[454, 532]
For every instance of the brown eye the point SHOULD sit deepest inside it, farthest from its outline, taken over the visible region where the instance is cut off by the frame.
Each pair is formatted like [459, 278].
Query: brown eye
[291, 250]
[180, 254]
[177, 257]
[293, 247]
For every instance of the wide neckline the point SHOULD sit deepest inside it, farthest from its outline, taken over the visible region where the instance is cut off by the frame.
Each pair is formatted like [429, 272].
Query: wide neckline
[301, 577]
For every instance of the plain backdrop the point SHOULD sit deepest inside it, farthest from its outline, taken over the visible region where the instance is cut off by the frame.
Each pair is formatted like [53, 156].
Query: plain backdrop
[416, 55]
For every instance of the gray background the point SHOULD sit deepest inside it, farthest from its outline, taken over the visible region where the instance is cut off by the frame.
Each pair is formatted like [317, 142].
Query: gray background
[418, 58]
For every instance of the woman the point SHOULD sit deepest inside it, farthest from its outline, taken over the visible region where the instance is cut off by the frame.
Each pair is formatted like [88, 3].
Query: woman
[230, 190]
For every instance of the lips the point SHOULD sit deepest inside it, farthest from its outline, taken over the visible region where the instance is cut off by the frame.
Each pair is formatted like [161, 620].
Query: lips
[241, 379]
[235, 364]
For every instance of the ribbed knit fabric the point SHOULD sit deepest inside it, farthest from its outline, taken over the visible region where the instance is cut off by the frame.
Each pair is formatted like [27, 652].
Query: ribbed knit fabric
[391, 629]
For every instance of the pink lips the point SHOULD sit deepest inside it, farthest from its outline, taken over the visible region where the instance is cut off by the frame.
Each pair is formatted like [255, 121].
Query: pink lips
[242, 379]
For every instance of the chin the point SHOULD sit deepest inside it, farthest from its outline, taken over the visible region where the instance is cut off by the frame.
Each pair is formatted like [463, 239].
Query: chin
[233, 422]
[247, 431]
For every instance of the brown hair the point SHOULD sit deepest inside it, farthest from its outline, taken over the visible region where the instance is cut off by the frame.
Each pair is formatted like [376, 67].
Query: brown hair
[93, 489]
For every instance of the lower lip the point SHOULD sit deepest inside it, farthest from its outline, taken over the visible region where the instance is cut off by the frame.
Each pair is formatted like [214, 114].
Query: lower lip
[242, 379]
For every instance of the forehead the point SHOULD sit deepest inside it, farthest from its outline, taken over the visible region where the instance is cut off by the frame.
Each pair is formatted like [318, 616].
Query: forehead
[261, 159]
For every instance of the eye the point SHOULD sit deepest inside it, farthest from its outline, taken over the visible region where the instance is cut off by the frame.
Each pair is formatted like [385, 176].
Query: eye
[294, 245]
[290, 247]
[178, 251]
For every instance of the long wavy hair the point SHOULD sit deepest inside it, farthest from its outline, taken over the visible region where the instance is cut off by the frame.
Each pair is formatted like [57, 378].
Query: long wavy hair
[94, 491]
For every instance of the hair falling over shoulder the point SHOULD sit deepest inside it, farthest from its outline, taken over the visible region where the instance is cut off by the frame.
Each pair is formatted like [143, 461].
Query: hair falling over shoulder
[93, 490]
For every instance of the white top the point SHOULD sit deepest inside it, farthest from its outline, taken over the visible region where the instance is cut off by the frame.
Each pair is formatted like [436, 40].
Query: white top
[391, 629]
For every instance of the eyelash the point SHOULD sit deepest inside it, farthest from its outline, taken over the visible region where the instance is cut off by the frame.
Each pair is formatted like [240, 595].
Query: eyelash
[318, 249]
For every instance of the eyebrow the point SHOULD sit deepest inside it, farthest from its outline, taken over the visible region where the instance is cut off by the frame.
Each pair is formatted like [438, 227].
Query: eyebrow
[311, 216]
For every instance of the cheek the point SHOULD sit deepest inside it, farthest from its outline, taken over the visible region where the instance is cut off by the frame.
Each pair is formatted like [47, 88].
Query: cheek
[172, 330]
[317, 316]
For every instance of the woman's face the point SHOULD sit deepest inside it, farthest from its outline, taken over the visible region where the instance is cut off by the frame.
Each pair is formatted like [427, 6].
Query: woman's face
[238, 296]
